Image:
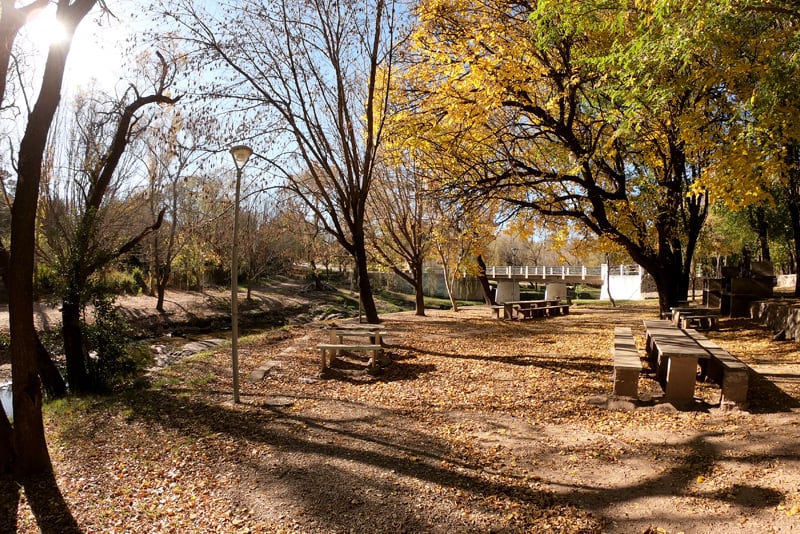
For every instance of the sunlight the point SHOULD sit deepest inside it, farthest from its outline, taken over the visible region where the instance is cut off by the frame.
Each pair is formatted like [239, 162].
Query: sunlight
[44, 30]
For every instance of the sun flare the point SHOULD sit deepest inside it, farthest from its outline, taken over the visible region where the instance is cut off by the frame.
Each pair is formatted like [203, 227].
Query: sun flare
[44, 29]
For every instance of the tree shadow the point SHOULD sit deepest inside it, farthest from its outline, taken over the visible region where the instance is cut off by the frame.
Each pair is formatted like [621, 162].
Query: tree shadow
[765, 396]
[325, 447]
[9, 504]
[51, 511]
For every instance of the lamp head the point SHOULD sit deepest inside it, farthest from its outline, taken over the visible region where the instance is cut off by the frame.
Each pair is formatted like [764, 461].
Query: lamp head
[241, 153]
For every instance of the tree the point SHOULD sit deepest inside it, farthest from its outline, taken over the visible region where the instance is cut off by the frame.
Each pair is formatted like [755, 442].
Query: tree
[318, 66]
[403, 223]
[104, 135]
[268, 240]
[574, 110]
[173, 153]
[24, 447]
[750, 49]
[459, 234]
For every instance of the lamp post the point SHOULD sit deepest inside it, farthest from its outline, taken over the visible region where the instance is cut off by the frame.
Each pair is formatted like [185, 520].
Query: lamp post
[240, 153]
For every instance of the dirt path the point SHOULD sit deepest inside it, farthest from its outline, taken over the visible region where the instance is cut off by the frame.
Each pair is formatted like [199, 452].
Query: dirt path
[181, 307]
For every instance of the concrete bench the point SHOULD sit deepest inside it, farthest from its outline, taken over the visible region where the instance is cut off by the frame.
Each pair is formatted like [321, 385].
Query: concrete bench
[497, 310]
[694, 316]
[701, 322]
[627, 364]
[724, 369]
[674, 355]
[337, 335]
[537, 310]
[525, 312]
[329, 351]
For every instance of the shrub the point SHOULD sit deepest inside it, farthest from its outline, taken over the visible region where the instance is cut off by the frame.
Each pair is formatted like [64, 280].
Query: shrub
[120, 282]
[114, 362]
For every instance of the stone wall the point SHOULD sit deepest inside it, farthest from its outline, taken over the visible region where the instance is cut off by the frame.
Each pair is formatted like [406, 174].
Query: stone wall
[778, 315]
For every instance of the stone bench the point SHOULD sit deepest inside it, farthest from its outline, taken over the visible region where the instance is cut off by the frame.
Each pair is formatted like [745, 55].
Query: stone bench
[541, 311]
[498, 311]
[726, 370]
[694, 316]
[701, 322]
[524, 312]
[627, 364]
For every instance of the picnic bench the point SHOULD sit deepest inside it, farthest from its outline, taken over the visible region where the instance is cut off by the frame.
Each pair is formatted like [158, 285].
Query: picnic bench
[627, 364]
[341, 339]
[529, 309]
[675, 354]
[726, 370]
[695, 316]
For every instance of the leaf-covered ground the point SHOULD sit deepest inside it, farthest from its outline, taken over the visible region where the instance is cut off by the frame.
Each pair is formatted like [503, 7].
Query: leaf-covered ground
[477, 426]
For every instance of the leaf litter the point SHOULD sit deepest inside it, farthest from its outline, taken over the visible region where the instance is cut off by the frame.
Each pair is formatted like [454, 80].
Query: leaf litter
[477, 425]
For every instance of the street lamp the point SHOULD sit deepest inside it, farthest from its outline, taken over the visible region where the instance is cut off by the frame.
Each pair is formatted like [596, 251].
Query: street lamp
[240, 153]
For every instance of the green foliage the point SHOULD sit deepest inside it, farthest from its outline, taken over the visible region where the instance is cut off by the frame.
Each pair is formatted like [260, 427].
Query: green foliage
[139, 279]
[120, 282]
[47, 281]
[113, 362]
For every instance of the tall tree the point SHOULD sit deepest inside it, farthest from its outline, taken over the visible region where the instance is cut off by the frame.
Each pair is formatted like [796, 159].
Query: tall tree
[174, 155]
[318, 66]
[104, 135]
[403, 223]
[574, 110]
[25, 442]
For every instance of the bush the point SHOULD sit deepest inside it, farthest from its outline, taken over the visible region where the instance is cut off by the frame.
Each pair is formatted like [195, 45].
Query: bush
[46, 281]
[120, 283]
[114, 362]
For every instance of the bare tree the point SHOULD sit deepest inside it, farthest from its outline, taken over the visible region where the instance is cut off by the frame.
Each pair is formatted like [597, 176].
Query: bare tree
[173, 158]
[322, 67]
[402, 229]
[103, 136]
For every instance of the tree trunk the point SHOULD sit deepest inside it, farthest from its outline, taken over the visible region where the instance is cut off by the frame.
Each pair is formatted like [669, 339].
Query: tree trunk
[419, 291]
[415, 280]
[608, 283]
[6, 446]
[793, 201]
[74, 348]
[762, 229]
[52, 381]
[51, 378]
[487, 289]
[364, 286]
[162, 278]
[449, 284]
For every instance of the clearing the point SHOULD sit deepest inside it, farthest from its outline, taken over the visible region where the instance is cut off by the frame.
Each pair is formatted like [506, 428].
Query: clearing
[478, 425]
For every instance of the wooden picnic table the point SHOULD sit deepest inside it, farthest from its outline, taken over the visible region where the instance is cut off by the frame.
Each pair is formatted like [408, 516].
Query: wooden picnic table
[675, 355]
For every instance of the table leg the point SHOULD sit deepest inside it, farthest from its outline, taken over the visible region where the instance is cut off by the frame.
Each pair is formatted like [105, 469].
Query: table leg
[681, 373]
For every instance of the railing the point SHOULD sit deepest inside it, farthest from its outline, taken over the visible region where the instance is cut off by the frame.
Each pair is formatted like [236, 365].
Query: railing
[561, 271]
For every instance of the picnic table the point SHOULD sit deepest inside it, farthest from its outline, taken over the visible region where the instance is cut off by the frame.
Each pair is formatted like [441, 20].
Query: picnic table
[373, 344]
[675, 355]
[528, 309]
[695, 316]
